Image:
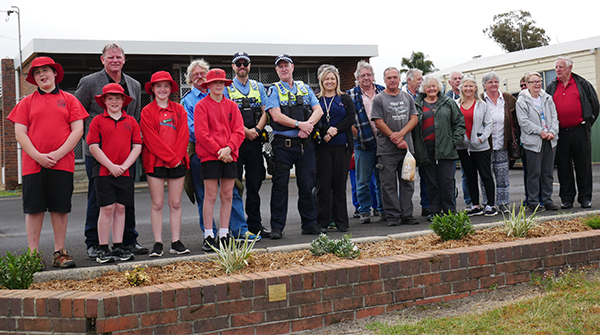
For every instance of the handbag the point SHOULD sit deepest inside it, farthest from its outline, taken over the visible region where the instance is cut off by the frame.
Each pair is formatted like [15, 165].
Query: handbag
[515, 150]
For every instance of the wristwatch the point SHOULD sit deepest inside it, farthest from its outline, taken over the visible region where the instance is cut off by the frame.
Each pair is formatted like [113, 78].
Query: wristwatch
[297, 124]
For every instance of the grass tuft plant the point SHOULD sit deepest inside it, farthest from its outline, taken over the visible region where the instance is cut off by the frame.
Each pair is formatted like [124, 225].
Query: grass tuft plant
[137, 276]
[343, 248]
[592, 221]
[452, 226]
[517, 223]
[233, 256]
[16, 271]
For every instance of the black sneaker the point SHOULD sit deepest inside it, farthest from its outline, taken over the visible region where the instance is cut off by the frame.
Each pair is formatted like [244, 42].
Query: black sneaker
[137, 249]
[314, 230]
[375, 212]
[476, 210]
[276, 234]
[365, 218]
[356, 214]
[393, 222]
[264, 233]
[425, 212]
[224, 242]
[178, 248]
[104, 256]
[122, 254]
[208, 242]
[157, 250]
[490, 211]
[92, 251]
[551, 207]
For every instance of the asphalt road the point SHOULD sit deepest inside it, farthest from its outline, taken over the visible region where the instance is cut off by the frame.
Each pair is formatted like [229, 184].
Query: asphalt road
[13, 236]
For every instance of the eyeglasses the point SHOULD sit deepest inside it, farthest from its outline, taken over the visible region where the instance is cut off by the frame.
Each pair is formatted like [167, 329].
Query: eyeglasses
[240, 64]
[535, 82]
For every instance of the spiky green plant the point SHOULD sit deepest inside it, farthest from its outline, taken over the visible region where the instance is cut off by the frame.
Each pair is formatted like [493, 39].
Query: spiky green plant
[233, 256]
[517, 223]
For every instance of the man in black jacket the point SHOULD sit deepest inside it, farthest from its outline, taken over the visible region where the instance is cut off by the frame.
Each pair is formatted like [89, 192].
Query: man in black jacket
[577, 107]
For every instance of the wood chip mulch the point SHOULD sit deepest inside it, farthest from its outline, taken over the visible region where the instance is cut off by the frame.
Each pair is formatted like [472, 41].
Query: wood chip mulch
[186, 271]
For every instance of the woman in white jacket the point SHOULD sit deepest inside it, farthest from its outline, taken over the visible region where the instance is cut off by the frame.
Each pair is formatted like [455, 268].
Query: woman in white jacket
[475, 153]
[537, 117]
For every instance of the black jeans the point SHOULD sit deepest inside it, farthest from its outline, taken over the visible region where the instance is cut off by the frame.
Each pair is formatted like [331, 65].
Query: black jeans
[574, 148]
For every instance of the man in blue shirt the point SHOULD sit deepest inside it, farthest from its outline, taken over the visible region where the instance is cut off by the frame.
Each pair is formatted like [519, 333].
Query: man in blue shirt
[294, 110]
[196, 75]
[251, 98]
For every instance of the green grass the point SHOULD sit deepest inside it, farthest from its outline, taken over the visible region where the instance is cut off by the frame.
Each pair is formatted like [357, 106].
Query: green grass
[572, 306]
[592, 221]
[10, 193]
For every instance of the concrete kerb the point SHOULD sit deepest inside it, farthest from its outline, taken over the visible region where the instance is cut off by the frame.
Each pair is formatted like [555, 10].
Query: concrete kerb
[93, 272]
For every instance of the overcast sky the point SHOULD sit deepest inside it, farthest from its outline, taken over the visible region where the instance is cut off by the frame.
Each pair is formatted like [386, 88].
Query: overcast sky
[449, 35]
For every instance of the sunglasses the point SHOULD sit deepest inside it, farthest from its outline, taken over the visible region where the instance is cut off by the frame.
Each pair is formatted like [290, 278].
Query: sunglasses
[240, 64]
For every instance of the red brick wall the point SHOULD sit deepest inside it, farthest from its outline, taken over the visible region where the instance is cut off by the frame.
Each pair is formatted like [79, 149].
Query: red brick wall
[8, 143]
[316, 296]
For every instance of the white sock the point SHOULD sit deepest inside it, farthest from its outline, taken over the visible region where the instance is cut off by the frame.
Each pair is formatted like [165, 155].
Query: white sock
[223, 232]
[209, 233]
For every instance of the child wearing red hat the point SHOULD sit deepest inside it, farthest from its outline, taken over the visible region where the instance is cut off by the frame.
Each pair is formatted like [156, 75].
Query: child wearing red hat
[219, 129]
[48, 126]
[165, 137]
[115, 142]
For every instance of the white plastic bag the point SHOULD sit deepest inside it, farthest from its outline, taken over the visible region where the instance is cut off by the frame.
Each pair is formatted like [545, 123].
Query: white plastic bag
[409, 167]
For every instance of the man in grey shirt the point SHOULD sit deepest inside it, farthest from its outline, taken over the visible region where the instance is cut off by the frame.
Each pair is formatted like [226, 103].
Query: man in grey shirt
[395, 115]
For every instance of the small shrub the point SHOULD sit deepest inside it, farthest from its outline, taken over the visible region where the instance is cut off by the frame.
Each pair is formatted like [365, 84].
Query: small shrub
[453, 226]
[16, 271]
[592, 221]
[322, 245]
[233, 256]
[343, 248]
[137, 276]
[518, 224]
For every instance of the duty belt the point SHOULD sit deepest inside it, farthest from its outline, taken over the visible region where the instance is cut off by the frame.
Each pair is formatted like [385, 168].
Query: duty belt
[280, 140]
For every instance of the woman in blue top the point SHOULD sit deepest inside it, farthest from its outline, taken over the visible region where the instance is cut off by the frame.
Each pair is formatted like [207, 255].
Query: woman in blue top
[334, 150]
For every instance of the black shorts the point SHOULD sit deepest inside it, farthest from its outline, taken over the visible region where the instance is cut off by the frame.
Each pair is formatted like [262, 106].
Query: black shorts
[218, 170]
[110, 190]
[48, 190]
[166, 173]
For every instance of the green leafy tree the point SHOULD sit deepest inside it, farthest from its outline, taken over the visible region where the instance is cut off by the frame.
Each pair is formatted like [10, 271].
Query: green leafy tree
[516, 30]
[417, 60]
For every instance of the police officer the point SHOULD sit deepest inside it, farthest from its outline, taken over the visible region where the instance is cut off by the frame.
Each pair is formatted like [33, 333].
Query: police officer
[250, 97]
[294, 110]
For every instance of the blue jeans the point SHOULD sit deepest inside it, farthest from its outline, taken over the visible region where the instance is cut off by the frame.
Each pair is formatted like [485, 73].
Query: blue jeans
[366, 160]
[303, 158]
[237, 222]
[371, 186]
[93, 211]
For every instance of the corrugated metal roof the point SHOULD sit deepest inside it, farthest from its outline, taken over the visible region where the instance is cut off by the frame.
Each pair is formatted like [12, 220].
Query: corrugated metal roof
[526, 55]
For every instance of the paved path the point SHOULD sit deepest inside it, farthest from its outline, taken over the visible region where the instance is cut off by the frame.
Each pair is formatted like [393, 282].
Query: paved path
[13, 236]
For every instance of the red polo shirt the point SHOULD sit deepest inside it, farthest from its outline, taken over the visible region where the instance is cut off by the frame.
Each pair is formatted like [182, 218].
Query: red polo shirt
[115, 138]
[568, 104]
[48, 118]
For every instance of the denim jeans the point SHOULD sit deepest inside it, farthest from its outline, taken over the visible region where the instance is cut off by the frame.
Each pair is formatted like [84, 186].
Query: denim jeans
[366, 160]
[237, 223]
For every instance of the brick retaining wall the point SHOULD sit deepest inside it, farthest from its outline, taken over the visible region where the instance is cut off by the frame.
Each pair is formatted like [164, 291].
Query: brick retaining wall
[316, 295]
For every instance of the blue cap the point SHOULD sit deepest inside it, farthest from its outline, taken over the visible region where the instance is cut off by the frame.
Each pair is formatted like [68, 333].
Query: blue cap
[284, 57]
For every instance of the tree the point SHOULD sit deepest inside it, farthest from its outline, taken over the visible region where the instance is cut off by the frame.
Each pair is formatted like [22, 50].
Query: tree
[515, 30]
[417, 61]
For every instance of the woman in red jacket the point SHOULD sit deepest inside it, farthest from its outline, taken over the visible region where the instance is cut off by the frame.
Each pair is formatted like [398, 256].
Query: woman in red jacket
[164, 154]
[219, 129]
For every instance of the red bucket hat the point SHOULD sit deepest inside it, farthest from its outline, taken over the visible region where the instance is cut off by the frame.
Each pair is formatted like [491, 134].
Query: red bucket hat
[161, 76]
[215, 75]
[112, 88]
[43, 61]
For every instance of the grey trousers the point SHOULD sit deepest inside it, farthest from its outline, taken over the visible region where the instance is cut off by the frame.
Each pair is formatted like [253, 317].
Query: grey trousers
[540, 167]
[396, 205]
